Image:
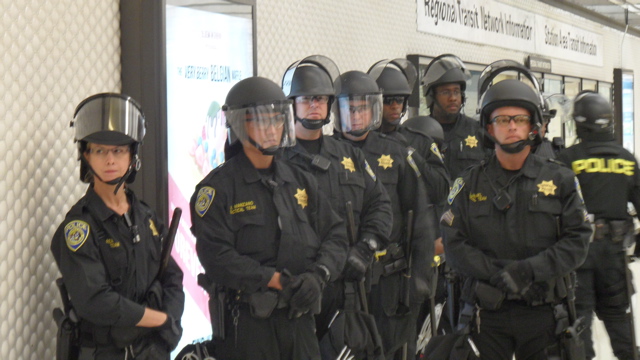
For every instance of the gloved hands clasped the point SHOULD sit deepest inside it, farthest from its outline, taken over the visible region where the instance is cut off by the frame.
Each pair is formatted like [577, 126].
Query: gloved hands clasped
[515, 278]
[359, 259]
[303, 291]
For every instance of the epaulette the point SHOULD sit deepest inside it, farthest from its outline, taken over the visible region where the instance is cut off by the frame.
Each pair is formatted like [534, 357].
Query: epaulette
[557, 162]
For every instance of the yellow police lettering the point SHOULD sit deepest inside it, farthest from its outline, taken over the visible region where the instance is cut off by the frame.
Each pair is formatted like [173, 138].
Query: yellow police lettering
[598, 165]
[242, 207]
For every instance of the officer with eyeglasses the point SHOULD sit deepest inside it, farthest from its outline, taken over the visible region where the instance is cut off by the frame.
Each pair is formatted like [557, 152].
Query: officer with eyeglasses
[444, 84]
[265, 234]
[515, 226]
[343, 175]
[401, 273]
[109, 245]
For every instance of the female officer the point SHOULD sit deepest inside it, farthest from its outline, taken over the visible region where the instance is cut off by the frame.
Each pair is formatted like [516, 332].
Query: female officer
[108, 247]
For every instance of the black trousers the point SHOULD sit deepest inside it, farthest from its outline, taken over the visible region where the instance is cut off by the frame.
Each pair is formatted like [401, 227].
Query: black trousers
[515, 328]
[602, 288]
[275, 338]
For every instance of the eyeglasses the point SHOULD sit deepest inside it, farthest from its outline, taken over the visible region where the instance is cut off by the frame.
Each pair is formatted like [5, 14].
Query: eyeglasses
[358, 109]
[389, 100]
[277, 121]
[448, 93]
[306, 100]
[118, 151]
[504, 120]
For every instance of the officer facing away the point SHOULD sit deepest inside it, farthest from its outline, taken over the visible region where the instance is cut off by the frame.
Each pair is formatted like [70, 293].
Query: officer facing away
[343, 175]
[108, 247]
[402, 273]
[609, 178]
[265, 233]
[514, 227]
[445, 82]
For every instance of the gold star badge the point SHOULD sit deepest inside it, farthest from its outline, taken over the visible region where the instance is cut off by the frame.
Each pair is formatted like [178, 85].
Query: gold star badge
[471, 141]
[301, 195]
[547, 188]
[348, 164]
[385, 161]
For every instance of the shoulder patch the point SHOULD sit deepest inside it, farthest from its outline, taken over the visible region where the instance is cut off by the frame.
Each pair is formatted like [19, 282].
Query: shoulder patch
[76, 233]
[447, 218]
[413, 165]
[369, 170]
[204, 200]
[434, 149]
[455, 190]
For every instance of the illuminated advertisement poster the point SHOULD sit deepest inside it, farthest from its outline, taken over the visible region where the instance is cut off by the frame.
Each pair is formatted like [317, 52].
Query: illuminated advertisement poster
[207, 53]
[627, 111]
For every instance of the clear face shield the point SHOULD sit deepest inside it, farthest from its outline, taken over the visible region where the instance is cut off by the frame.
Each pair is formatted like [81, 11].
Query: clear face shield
[360, 113]
[268, 127]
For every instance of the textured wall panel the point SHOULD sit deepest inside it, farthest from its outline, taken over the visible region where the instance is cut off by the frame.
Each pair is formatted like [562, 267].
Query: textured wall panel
[54, 54]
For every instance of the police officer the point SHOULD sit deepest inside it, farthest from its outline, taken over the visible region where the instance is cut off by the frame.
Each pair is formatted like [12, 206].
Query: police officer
[265, 233]
[514, 227]
[609, 178]
[343, 175]
[445, 82]
[396, 79]
[108, 247]
[402, 274]
[546, 148]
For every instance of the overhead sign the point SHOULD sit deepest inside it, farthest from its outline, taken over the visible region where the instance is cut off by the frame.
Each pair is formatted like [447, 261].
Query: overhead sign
[487, 22]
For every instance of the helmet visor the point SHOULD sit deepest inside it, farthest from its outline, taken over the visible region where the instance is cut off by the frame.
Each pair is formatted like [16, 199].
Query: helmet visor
[321, 61]
[360, 113]
[110, 119]
[491, 72]
[268, 125]
[405, 66]
[440, 66]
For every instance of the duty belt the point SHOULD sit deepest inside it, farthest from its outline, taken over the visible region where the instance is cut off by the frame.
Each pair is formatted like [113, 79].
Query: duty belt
[615, 230]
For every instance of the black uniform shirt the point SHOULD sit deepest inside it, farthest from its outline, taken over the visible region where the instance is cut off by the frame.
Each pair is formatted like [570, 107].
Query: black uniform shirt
[228, 213]
[99, 296]
[609, 177]
[396, 169]
[545, 223]
[462, 145]
[349, 178]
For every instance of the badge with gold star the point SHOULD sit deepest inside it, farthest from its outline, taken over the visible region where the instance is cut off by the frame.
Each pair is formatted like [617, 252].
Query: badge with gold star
[348, 164]
[301, 195]
[547, 188]
[471, 141]
[385, 161]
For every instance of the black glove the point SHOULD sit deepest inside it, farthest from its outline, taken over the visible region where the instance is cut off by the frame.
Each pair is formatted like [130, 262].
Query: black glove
[170, 332]
[358, 260]
[536, 293]
[514, 278]
[153, 297]
[307, 292]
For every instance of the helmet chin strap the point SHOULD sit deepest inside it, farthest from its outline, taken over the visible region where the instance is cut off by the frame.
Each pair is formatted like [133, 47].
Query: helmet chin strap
[270, 151]
[119, 181]
[357, 133]
[312, 124]
[515, 147]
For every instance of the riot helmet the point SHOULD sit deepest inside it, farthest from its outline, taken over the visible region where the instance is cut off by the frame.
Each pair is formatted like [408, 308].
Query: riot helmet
[109, 119]
[359, 106]
[428, 126]
[512, 92]
[593, 116]
[262, 103]
[396, 79]
[444, 69]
